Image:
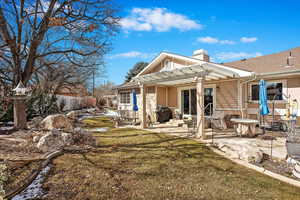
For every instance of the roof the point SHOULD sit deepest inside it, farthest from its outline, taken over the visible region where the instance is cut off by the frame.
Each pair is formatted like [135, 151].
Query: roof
[73, 90]
[163, 55]
[188, 74]
[276, 62]
[127, 85]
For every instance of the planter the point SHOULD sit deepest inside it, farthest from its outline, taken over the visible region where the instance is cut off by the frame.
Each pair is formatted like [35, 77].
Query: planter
[293, 149]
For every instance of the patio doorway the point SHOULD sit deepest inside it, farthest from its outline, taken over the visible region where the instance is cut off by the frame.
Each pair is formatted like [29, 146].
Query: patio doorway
[189, 101]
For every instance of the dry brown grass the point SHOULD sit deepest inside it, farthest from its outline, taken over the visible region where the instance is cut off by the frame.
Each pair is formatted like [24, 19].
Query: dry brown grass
[135, 164]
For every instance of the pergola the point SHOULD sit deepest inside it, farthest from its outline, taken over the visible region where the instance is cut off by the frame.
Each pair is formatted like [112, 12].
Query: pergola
[189, 74]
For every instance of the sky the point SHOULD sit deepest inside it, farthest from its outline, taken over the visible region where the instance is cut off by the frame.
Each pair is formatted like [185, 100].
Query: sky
[228, 30]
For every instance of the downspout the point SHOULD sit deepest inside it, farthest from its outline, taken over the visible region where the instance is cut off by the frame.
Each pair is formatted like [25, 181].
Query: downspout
[241, 84]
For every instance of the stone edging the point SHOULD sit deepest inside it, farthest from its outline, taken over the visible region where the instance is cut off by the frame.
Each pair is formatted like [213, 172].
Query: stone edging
[32, 176]
[258, 169]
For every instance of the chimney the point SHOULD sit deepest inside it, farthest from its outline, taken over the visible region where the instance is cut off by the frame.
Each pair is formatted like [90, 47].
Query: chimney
[290, 60]
[201, 54]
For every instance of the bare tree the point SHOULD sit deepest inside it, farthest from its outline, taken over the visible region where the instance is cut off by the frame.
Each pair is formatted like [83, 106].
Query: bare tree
[41, 38]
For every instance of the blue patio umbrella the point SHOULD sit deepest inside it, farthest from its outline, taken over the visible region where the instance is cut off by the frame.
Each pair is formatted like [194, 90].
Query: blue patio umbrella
[263, 101]
[135, 106]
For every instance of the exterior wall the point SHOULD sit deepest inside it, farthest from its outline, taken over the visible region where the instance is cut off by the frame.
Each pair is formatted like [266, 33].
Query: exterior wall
[227, 98]
[162, 96]
[172, 97]
[150, 103]
[175, 64]
[291, 87]
[227, 95]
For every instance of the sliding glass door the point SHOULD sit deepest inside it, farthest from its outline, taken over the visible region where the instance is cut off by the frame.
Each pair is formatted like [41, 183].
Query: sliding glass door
[189, 101]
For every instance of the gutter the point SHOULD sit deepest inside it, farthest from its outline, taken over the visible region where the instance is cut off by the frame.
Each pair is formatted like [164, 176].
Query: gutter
[278, 74]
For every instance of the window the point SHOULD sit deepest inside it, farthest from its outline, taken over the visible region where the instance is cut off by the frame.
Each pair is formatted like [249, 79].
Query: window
[125, 97]
[274, 91]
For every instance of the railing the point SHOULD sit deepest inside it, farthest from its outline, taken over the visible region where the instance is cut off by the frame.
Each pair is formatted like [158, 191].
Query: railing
[210, 105]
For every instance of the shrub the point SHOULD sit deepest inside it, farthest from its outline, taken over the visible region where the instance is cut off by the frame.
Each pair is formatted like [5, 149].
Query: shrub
[6, 110]
[41, 103]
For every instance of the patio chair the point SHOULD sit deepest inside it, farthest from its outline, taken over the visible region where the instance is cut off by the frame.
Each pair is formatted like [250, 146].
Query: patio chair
[218, 120]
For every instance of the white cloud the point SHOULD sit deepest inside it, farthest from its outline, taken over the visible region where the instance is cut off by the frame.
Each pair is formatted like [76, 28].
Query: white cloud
[225, 56]
[132, 54]
[208, 39]
[248, 39]
[212, 40]
[158, 19]
[226, 42]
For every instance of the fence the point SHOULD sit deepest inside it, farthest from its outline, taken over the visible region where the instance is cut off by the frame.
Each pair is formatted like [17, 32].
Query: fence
[74, 103]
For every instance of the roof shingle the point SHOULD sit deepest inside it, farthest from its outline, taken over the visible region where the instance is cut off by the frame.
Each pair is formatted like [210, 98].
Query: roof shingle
[276, 62]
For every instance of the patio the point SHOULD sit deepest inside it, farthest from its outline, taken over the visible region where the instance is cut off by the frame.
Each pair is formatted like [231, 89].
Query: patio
[228, 137]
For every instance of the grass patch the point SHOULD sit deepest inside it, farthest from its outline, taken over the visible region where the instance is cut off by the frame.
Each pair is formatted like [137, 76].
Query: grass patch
[136, 164]
[98, 122]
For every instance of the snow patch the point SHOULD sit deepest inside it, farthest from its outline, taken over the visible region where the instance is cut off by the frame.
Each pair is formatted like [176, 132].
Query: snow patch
[34, 190]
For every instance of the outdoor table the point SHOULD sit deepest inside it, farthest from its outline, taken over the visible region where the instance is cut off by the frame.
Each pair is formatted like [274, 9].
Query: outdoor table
[244, 126]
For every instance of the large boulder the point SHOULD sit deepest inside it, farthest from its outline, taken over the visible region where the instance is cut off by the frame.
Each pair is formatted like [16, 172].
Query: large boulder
[241, 150]
[54, 140]
[57, 121]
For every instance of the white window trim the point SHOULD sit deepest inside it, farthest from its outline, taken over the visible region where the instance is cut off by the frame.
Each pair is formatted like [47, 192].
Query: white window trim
[180, 108]
[125, 104]
[284, 91]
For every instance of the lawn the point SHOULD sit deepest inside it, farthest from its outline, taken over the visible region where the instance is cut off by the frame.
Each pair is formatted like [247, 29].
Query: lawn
[136, 164]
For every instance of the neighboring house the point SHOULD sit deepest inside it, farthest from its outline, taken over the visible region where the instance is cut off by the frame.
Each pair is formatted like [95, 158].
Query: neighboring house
[73, 90]
[190, 85]
[111, 100]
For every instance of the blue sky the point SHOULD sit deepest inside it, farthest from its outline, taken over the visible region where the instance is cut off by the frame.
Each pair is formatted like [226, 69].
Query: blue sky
[228, 30]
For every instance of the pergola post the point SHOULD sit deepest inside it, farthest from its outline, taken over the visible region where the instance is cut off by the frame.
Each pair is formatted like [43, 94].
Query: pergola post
[143, 109]
[200, 108]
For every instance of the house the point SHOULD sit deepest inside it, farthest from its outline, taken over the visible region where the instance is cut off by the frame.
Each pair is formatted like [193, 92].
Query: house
[192, 85]
[78, 90]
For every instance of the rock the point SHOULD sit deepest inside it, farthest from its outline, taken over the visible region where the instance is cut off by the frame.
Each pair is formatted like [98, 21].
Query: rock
[50, 141]
[243, 151]
[72, 115]
[36, 138]
[296, 170]
[34, 122]
[91, 110]
[57, 121]
[67, 138]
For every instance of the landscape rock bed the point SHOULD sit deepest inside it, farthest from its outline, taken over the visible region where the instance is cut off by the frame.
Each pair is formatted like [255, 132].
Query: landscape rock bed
[281, 167]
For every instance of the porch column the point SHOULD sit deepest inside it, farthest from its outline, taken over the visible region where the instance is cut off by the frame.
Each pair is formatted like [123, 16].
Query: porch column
[144, 115]
[200, 107]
